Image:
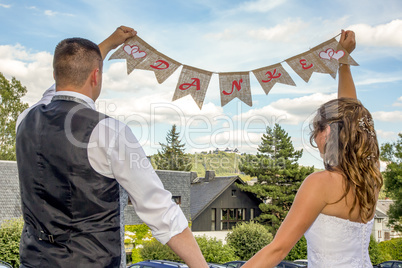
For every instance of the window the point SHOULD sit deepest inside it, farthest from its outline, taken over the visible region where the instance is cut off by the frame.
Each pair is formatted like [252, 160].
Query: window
[378, 220]
[231, 216]
[379, 234]
[213, 219]
[251, 213]
[233, 193]
[177, 199]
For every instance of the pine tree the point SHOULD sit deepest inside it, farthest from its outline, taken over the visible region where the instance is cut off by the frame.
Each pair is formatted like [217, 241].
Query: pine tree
[172, 156]
[279, 176]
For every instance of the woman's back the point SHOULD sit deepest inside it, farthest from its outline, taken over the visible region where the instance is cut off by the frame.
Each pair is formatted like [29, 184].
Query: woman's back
[338, 238]
[336, 242]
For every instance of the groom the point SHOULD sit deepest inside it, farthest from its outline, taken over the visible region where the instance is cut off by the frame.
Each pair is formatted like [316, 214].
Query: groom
[71, 160]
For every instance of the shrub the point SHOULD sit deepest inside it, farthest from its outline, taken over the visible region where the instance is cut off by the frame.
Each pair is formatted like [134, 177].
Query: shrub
[376, 255]
[299, 251]
[214, 250]
[10, 235]
[154, 250]
[136, 256]
[247, 238]
[392, 248]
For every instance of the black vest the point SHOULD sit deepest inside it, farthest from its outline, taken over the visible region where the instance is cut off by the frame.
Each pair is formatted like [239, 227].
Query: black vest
[71, 212]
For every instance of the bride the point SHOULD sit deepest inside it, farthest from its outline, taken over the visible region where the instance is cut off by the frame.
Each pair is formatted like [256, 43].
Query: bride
[334, 208]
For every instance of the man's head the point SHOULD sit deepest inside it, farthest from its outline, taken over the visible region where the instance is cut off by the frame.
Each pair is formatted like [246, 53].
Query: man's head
[76, 60]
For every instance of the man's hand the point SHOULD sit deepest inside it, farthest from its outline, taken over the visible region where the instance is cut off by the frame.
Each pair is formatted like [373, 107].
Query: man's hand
[348, 41]
[118, 37]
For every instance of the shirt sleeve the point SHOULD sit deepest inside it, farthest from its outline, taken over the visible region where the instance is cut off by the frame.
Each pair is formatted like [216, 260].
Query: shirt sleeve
[46, 99]
[115, 152]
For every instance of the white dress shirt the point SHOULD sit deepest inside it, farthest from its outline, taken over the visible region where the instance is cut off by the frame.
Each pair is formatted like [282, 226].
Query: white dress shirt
[114, 152]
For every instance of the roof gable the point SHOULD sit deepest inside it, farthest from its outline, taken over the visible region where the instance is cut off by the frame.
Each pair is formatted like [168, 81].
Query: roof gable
[204, 193]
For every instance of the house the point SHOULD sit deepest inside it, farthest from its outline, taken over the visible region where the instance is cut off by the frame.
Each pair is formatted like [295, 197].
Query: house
[217, 203]
[176, 182]
[381, 230]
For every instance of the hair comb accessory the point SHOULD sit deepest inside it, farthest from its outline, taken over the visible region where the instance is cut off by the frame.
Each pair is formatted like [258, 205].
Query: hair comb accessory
[366, 126]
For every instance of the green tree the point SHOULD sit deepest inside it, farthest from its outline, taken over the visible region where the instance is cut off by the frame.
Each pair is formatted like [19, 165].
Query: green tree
[10, 235]
[10, 107]
[279, 176]
[172, 156]
[392, 154]
[214, 250]
[247, 238]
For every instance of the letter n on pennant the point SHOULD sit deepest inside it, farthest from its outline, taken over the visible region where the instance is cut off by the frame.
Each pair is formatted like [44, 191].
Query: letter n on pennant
[235, 85]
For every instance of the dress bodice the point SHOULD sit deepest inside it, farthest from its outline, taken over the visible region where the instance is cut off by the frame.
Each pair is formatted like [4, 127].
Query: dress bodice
[336, 242]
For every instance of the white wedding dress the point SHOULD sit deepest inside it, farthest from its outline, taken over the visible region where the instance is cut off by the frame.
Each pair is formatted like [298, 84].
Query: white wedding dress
[338, 243]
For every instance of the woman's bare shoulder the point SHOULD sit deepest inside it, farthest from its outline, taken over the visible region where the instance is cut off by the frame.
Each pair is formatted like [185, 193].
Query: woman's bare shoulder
[328, 183]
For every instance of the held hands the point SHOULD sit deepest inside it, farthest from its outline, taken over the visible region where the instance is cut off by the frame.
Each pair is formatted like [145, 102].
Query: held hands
[117, 38]
[348, 41]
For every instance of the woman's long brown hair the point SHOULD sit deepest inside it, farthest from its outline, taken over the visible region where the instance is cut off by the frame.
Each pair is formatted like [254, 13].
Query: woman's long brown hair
[351, 149]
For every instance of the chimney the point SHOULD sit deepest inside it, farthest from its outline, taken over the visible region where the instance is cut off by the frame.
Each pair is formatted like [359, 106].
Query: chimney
[193, 177]
[209, 175]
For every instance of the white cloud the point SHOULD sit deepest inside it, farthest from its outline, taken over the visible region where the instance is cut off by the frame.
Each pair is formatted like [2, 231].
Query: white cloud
[386, 135]
[50, 13]
[395, 116]
[287, 111]
[32, 69]
[388, 35]
[283, 32]
[398, 102]
[223, 138]
[5, 6]
[260, 6]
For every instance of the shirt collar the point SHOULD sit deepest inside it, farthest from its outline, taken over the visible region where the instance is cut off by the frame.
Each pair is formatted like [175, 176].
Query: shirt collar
[83, 97]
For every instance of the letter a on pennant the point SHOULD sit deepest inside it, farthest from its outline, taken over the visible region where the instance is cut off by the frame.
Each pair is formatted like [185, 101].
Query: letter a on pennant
[194, 82]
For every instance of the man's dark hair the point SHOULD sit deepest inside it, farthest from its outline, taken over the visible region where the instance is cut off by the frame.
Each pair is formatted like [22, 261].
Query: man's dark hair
[74, 59]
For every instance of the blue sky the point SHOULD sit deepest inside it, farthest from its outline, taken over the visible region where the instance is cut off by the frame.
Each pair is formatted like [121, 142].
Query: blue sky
[218, 36]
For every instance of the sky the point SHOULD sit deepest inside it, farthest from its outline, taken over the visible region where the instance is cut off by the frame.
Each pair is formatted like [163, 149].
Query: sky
[218, 36]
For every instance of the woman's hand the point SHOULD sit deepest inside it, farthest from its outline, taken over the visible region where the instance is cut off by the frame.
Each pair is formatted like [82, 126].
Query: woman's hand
[348, 41]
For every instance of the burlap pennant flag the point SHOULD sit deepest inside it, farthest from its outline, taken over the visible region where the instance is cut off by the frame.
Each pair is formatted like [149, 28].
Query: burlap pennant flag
[331, 54]
[270, 75]
[160, 64]
[306, 63]
[347, 59]
[234, 85]
[134, 51]
[192, 81]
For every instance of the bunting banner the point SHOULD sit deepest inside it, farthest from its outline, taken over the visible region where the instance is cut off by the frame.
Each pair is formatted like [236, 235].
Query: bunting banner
[324, 58]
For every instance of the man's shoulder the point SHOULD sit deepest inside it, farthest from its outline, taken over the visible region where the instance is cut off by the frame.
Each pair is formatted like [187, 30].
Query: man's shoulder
[112, 124]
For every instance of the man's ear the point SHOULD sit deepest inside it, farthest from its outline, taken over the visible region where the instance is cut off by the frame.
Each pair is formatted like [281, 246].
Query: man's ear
[95, 77]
